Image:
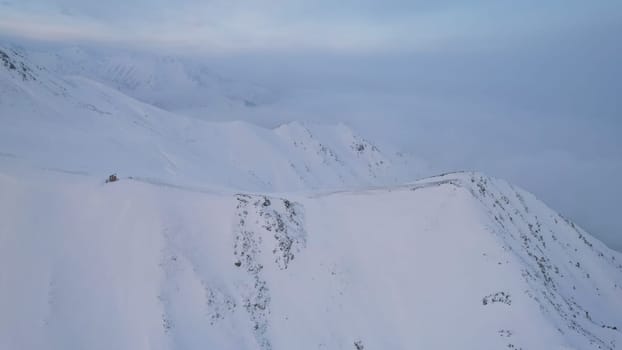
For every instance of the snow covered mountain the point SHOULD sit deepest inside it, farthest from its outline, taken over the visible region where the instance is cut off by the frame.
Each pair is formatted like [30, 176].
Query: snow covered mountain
[50, 122]
[455, 261]
[232, 236]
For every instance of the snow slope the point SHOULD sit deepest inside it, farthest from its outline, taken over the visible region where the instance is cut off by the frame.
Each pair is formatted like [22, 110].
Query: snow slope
[50, 121]
[456, 261]
[232, 236]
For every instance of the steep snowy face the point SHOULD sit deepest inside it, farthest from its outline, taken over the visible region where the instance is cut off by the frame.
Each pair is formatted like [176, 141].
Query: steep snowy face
[460, 260]
[573, 278]
[50, 122]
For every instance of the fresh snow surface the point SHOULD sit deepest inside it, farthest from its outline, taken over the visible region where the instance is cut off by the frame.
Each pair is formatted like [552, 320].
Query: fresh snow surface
[458, 261]
[231, 236]
[75, 124]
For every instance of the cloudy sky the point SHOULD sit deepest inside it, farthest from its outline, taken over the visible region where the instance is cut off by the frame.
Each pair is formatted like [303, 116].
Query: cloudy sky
[530, 91]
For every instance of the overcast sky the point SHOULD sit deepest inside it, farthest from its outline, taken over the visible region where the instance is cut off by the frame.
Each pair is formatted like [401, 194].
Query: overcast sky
[530, 91]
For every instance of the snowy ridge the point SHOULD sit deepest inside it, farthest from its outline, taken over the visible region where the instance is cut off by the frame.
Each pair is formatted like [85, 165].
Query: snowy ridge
[49, 121]
[385, 268]
[559, 260]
